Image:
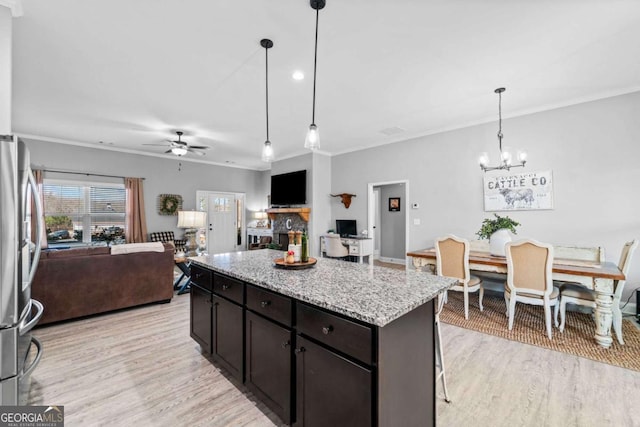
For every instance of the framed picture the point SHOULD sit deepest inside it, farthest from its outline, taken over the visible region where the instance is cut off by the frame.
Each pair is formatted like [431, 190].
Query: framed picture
[394, 204]
[518, 191]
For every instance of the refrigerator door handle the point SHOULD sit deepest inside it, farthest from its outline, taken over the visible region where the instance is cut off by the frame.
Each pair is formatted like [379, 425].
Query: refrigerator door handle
[39, 227]
[35, 361]
[25, 327]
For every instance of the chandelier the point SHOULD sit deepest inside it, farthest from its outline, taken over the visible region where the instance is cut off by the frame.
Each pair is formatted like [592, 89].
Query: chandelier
[506, 157]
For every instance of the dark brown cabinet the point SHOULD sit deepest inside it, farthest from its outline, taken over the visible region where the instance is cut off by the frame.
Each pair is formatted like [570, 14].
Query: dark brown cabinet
[201, 307]
[268, 363]
[331, 390]
[227, 342]
[201, 315]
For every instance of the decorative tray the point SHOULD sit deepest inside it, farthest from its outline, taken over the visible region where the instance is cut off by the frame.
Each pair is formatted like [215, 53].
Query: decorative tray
[279, 263]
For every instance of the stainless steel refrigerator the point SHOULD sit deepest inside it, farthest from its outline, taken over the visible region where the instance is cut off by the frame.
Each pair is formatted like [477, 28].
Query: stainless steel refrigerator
[19, 255]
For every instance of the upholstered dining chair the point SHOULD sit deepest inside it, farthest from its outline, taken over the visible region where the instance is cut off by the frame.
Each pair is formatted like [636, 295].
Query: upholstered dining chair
[333, 247]
[529, 279]
[577, 294]
[452, 260]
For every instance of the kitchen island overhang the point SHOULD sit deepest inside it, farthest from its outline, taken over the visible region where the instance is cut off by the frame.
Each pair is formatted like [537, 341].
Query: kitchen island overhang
[358, 338]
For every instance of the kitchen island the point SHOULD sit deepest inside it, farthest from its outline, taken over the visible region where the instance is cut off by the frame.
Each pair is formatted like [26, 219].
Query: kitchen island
[336, 344]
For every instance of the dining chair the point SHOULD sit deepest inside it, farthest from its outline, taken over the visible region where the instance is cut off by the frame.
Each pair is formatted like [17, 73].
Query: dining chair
[452, 260]
[575, 293]
[529, 279]
[333, 246]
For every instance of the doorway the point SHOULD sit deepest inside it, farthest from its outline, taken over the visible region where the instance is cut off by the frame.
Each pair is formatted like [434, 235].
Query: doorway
[388, 220]
[225, 220]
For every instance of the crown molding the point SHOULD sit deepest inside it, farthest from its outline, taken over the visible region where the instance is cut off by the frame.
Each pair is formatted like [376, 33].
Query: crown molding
[14, 5]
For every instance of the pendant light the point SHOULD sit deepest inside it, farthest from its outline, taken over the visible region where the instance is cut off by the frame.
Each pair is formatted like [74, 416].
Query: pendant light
[267, 150]
[505, 154]
[312, 141]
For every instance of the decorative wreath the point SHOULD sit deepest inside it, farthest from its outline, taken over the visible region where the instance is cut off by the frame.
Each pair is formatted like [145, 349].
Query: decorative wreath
[169, 204]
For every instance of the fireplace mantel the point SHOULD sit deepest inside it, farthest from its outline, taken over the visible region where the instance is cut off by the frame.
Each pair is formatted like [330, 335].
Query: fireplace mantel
[303, 212]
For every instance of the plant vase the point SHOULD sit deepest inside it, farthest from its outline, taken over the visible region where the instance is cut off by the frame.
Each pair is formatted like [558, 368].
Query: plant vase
[497, 241]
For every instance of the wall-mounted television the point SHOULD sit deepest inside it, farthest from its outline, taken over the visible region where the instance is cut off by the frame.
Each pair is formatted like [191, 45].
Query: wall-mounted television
[346, 227]
[289, 189]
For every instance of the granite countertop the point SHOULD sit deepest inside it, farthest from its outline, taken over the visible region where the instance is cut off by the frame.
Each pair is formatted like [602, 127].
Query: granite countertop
[376, 295]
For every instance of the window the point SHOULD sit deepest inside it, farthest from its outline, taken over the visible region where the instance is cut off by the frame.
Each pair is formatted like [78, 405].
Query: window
[83, 212]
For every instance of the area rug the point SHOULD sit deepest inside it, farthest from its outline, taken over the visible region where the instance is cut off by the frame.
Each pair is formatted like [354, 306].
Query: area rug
[528, 328]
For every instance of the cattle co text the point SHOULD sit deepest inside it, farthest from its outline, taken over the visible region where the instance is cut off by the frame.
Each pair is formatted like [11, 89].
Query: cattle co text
[516, 182]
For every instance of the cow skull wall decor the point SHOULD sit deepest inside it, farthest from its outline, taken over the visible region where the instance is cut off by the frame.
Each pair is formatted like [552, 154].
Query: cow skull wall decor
[346, 198]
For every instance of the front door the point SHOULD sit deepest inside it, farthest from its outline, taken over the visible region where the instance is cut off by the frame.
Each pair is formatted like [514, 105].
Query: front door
[222, 216]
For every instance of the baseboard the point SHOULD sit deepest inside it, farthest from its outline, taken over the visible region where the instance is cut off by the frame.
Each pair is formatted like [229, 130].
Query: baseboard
[392, 260]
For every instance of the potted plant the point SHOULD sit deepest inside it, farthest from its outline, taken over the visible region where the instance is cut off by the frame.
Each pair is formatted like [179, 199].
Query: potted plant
[497, 231]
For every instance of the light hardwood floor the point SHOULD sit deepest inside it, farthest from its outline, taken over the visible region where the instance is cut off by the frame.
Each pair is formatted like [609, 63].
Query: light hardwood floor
[140, 367]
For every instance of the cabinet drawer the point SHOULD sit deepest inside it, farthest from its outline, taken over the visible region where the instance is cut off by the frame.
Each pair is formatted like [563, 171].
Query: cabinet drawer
[344, 335]
[229, 288]
[201, 277]
[274, 306]
[354, 250]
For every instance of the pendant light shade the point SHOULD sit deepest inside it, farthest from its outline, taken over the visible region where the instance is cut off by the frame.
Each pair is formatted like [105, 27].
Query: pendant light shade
[312, 141]
[267, 152]
[267, 149]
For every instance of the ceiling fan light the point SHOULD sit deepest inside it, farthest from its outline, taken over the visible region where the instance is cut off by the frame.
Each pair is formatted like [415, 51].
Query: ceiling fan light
[312, 141]
[179, 151]
[267, 152]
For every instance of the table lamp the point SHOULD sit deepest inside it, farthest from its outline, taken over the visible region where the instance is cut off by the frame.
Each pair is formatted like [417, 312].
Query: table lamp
[261, 216]
[191, 221]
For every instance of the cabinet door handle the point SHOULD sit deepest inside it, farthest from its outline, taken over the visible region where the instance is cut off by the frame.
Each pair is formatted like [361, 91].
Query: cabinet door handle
[299, 350]
[225, 287]
[327, 330]
[263, 304]
[197, 275]
[286, 344]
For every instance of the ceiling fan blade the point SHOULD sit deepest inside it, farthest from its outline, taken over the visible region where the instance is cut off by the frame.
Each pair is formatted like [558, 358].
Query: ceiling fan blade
[158, 145]
[167, 152]
[199, 147]
[199, 153]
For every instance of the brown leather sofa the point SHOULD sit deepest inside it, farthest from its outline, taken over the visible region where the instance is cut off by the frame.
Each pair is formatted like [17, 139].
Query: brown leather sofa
[73, 283]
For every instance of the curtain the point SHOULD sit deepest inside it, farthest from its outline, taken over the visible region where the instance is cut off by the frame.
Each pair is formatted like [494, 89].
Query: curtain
[43, 238]
[136, 226]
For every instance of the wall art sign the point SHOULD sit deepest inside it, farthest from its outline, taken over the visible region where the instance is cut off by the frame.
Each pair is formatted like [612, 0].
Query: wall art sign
[518, 191]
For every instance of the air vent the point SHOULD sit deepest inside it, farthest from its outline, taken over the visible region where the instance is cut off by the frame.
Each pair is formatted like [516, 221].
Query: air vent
[392, 131]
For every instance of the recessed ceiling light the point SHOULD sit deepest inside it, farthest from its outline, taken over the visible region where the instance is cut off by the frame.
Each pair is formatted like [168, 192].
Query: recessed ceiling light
[298, 75]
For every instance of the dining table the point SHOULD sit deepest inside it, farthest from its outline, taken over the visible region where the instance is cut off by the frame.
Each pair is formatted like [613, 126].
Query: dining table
[599, 275]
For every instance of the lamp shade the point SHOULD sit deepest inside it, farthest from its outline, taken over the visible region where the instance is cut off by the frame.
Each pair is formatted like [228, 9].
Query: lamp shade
[192, 219]
[260, 215]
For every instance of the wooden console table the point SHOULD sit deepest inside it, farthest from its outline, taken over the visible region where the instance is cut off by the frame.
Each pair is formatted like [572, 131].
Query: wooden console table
[597, 275]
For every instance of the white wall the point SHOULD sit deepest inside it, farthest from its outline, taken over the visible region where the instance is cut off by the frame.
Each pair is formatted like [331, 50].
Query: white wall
[593, 150]
[5, 70]
[321, 212]
[162, 176]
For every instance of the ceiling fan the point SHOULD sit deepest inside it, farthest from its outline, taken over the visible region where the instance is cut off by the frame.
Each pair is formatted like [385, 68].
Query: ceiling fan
[180, 148]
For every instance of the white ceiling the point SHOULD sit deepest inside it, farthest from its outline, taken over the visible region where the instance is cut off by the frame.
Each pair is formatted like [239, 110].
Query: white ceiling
[129, 73]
